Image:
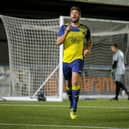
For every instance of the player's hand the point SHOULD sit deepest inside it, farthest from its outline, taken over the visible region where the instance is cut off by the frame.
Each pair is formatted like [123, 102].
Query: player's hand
[87, 52]
[111, 70]
[68, 28]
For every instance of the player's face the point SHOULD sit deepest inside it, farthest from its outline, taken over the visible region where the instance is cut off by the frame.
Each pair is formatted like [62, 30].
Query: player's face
[113, 49]
[75, 16]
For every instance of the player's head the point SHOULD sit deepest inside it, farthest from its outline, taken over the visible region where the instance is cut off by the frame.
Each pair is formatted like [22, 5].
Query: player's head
[114, 47]
[75, 14]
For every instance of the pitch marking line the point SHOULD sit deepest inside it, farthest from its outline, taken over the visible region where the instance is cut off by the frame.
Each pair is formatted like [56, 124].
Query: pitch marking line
[59, 126]
[63, 106]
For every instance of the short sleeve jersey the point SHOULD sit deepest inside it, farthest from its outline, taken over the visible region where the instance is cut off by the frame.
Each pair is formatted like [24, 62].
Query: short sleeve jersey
[75, 42]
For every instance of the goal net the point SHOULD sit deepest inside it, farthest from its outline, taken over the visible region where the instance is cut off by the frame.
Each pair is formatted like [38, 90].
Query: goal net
[33, 57]
[35, 60]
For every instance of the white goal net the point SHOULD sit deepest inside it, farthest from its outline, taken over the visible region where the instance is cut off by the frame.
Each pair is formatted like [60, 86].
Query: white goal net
[33, 57]
[35, 60]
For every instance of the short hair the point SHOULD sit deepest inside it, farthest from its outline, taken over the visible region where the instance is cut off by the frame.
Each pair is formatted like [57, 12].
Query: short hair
[75, 8]
[115, 45]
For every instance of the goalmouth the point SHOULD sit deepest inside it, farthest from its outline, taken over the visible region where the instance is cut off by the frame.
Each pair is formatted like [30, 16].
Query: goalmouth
[35, 60]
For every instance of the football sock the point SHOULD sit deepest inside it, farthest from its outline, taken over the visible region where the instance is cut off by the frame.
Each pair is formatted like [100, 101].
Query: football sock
[75, 97]
[69, 93]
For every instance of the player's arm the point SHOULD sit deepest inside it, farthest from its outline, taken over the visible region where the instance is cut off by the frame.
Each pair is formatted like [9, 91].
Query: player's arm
[114, 65]
[88, 46]
[115, 61]
[61, 38]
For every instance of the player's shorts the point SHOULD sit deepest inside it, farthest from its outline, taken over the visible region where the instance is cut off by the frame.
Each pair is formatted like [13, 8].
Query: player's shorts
[119, 78]
[75, 66]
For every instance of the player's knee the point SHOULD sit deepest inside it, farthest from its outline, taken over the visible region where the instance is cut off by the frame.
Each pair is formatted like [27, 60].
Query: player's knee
[74, 82]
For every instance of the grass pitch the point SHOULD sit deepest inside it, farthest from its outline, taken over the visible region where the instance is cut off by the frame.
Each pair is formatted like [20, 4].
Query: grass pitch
[92, 114]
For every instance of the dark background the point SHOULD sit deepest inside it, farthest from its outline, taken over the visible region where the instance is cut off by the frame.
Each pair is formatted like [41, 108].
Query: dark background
[53, 9]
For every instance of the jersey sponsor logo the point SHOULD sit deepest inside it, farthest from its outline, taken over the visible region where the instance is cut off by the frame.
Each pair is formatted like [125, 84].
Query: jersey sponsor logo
[75, 40]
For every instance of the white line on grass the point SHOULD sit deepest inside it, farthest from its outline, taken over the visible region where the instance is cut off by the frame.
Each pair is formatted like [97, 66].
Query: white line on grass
[63, 106]
[59, 126]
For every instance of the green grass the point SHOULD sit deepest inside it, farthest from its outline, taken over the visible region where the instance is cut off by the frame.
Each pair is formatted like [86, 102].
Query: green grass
[92, 114]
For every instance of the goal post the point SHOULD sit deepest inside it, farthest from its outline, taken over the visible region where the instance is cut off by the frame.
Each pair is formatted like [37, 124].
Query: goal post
[36, 61]
[61, 80]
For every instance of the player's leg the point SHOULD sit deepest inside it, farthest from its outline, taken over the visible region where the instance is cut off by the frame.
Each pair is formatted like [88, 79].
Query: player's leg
[116, 79]
[117, 90]
[75, 94]
[121, 84]
[68, 87]
[67, 83]
[75, 89]
[76, 71]
[124, 88]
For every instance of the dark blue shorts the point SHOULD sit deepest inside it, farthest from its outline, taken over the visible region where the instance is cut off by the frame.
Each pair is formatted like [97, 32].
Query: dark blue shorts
[75, 66]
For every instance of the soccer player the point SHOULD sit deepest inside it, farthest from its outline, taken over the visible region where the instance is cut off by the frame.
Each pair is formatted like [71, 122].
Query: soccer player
[77, 43]
[118, 69]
